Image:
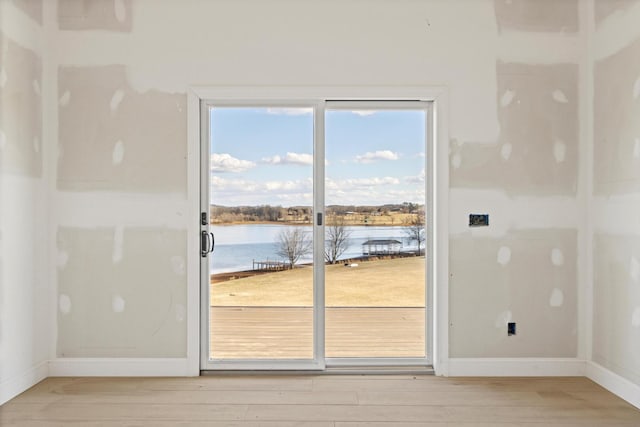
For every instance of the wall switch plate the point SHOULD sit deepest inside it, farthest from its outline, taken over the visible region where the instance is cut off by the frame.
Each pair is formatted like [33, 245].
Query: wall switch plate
[478, 220]
[511, 328]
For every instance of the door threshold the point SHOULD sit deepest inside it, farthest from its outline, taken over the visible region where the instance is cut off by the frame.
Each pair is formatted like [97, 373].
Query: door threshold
[335, 370]
[380, 370]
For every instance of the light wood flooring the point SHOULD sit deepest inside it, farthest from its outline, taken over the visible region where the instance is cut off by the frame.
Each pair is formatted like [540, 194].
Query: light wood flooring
[318, 401]
[287, 332]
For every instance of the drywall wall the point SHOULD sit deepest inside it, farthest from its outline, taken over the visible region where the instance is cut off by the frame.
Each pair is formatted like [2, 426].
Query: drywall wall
[120, 200]
[116, 148]
[33, 8]
[616, 318]
[549, 295]
[121, 278]
[21, 111]
[605, 8]
[540, 16]
[110, 15]
[616, 188]
[24, 296]
[107, 277]
[537, 148]
[523, 267]
[616, 128]
[511, 71]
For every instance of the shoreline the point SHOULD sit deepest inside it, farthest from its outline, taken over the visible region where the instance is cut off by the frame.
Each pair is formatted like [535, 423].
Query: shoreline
[304, 224]
[235, 275]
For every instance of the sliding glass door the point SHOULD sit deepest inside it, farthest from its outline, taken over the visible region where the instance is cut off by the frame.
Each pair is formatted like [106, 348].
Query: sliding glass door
[260, 310]
[375, 277]
[313, 234]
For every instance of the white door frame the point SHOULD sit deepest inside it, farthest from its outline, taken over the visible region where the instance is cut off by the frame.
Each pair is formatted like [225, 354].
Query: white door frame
[437, 181]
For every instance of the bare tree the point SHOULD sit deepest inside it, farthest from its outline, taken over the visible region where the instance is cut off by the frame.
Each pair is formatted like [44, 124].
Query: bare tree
[293, 244]
[414, 230]
[336, 240]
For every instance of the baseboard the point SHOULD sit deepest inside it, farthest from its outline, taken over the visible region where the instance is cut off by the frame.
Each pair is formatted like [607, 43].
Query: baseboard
[613, 382]
[516, 367]
[12, 387]
[114, 367]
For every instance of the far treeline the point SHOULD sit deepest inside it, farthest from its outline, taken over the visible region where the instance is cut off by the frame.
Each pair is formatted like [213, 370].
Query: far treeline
[389, 214]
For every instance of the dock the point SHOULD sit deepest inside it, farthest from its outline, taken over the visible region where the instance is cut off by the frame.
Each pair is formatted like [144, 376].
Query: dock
[271, 265]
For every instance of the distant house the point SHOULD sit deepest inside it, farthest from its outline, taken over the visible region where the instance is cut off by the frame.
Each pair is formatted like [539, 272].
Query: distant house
[381, 247]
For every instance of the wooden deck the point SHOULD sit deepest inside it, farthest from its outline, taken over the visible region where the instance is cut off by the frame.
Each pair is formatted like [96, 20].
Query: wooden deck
[318, 401]
[287, 332]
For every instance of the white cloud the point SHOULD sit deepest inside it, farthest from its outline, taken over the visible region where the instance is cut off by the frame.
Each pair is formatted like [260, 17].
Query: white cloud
[363, 113]
[290, 159]
[286, 111]
[219, 184]
[373, 156]
[232, 185]
[354, 183]
[226, 163]
[288, 186]
[374, 190]
[416, 179]
[365, 182]
[373, 195]
[296, 198]
[273, 160]
[299, 158]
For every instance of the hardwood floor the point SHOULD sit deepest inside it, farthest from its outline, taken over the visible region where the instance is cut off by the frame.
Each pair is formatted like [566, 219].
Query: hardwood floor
[318, 401]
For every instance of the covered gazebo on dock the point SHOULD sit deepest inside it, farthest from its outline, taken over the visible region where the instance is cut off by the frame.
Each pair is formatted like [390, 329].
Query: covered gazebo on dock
[381, 247]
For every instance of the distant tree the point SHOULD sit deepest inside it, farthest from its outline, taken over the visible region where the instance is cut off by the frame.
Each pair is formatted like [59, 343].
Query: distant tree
[270, 213]
[337, 240]
[293, 244]
[414, 229]
[411, 207]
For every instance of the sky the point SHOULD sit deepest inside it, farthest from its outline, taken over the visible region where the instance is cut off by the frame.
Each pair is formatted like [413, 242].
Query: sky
[264, 156]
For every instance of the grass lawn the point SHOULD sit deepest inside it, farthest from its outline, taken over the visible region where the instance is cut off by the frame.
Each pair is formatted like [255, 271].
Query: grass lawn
[396, 282]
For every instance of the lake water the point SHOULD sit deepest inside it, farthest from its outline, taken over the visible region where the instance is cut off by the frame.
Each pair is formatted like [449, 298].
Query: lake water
[237, 246]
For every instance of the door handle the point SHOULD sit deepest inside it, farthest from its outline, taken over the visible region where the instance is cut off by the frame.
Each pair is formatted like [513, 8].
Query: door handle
[207, 243]
[204, 243]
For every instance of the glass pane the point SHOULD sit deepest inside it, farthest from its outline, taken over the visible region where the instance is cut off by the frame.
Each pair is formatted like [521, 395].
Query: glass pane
[375, 233]
[261, 198]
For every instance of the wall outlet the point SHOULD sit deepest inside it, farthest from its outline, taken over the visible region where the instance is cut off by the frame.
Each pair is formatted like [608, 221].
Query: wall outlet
[511, 328]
